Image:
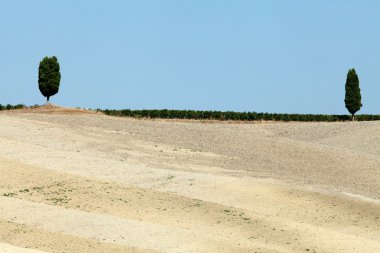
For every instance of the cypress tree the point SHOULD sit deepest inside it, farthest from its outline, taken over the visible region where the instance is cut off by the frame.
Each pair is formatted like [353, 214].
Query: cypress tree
[49, 77]
[353, 97]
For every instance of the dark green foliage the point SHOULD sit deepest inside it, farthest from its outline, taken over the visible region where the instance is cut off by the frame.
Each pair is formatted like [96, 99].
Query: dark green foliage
[11, 107]
[353, 97]
[235, 116]
[49, 76]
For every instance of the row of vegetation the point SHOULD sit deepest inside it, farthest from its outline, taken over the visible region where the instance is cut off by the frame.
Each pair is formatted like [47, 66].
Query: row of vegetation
[11, 107]
[219, 115]
[237, 116]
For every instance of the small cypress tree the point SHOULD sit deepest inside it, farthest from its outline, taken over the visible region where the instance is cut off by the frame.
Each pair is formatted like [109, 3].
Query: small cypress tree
[49, 77]
[353, 97]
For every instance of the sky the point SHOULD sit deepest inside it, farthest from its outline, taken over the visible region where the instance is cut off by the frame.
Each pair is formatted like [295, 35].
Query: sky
[266, 56]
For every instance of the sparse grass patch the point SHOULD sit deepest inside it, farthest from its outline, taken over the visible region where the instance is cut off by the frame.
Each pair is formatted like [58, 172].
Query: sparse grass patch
[9, 194]
[170, 177]
[56, 200]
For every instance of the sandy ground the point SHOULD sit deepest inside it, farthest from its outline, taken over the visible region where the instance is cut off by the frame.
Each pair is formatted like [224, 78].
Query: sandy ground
[72, 181]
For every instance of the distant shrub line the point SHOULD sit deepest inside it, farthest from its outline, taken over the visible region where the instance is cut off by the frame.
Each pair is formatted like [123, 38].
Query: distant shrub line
[223, 116]
[234, 116]
[11, 107]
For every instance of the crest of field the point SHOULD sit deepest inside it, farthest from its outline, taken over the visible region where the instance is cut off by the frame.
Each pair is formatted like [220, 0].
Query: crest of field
[51, 109]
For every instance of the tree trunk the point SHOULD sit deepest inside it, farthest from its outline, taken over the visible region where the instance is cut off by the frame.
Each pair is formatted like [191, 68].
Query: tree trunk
[353, 117]
[47, 100]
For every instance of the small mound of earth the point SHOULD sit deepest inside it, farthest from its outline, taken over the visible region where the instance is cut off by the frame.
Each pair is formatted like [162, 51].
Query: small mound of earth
[52, 109]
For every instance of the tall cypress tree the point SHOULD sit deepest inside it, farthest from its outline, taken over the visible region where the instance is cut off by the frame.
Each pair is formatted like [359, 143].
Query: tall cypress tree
[49, 76]
[353, 98]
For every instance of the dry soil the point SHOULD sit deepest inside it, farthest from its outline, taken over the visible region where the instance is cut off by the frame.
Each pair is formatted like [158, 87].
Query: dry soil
[78, 181]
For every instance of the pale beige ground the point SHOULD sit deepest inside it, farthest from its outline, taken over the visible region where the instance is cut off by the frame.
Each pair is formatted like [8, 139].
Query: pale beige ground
[72, 181]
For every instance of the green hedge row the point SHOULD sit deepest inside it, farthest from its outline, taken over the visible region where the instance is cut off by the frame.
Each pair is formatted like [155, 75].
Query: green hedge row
[11, 107]
[240, 116]
[219, 115]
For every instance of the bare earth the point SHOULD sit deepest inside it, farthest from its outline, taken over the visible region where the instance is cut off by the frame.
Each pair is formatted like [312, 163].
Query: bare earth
[75, 181]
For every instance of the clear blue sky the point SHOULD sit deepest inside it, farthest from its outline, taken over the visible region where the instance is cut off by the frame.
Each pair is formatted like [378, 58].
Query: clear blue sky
[266, 56]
